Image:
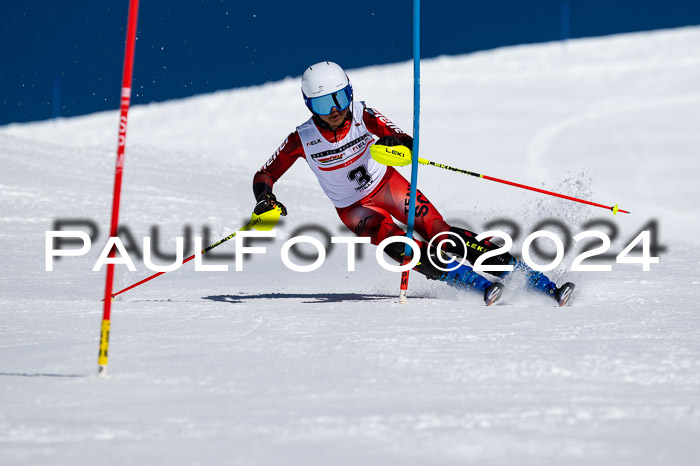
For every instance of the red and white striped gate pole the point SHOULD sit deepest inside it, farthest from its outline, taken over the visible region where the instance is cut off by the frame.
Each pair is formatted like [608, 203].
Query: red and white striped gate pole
[124, 110]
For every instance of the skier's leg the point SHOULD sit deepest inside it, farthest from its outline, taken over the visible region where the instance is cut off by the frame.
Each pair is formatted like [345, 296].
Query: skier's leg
[371, 221]
[394, 198]
[377, 224]
[461, 277]
[535, 280]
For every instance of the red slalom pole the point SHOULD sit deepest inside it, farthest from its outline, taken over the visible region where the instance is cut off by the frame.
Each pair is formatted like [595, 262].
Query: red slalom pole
[124, 110]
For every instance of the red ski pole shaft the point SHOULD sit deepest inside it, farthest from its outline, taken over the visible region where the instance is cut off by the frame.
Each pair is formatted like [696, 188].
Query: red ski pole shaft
[124, 110]
[158, 274]
[563, 196]
[614, 208]
[262, 222]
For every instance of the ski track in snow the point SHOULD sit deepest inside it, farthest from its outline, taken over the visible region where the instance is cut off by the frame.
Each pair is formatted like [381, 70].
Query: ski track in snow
[268, 366]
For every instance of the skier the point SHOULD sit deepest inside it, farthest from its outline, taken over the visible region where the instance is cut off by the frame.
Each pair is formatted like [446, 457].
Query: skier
[335, 143]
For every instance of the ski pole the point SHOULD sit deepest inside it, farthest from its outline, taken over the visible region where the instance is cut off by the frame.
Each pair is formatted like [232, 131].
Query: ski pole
[263, 222]
[401, 155]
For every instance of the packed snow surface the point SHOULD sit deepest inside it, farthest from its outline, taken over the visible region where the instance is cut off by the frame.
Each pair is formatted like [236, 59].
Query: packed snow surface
[268, 366]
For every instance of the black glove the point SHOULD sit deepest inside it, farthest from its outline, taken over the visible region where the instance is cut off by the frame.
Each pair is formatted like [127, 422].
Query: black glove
[389, 141]
[268, 201]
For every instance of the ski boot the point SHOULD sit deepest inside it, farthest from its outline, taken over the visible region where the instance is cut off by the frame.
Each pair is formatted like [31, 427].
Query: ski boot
[493, 293]
[564, 293]
[464, 277]
[539, 281]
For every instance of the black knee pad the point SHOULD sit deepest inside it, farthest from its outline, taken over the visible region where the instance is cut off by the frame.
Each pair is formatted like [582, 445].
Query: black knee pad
[475, 248]
[425, 266]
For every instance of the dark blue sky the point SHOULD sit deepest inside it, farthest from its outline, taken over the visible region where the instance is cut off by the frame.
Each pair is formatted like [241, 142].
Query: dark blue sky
[71, 53]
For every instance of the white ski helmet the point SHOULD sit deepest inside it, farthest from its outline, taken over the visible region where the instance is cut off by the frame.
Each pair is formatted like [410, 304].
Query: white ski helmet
[324, 86]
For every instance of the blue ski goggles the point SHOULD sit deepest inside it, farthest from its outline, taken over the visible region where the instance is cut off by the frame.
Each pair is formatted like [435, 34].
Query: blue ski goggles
[324, 105]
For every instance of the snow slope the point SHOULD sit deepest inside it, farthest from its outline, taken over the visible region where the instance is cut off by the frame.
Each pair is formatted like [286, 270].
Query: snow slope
[269, 366]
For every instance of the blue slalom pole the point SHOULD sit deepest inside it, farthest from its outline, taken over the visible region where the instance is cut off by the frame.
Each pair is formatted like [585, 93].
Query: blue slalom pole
[56, 97]
[414, 164]
[565, 21]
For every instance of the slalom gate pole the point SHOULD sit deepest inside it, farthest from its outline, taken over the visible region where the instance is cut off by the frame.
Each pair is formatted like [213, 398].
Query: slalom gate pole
[124, 110]
[403, 291]
[259, 222]
[398, 156]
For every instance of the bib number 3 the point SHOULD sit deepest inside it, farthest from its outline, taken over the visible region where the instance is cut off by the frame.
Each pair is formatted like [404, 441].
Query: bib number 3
[360, 175]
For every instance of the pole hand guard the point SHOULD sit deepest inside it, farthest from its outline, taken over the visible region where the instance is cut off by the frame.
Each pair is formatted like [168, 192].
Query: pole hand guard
[267, 220]
[393, 156]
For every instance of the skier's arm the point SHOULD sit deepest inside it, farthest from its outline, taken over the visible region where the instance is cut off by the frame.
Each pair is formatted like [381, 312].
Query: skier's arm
[274, 168]
[383, 128]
